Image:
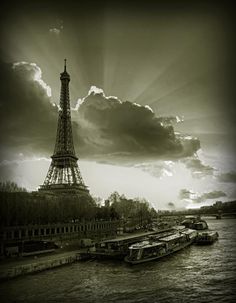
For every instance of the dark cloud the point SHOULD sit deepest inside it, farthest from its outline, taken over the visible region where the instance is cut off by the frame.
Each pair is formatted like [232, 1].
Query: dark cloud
[171, 205]
[211, 195]
[103, 126]
[229, 177]
[197, 168]
[111, 126]
[27, 116]
[185, 194]
[188, 194]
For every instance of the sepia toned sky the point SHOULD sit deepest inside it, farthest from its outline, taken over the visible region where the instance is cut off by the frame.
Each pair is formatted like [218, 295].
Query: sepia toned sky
[152, 93]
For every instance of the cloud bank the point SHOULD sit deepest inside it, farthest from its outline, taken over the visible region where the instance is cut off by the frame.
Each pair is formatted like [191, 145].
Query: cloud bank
[229, 177]
[186, 194]
[112, 127]
[28, 117]
[103, 127]
[197, 168]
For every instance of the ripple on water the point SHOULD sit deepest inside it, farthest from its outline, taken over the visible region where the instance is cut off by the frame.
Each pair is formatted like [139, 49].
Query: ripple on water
[195, 275]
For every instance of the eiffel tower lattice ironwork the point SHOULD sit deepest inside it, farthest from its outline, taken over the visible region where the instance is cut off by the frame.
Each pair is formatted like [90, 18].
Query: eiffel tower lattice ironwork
[64, 174]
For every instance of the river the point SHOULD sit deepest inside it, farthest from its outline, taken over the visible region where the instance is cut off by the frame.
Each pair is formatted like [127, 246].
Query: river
[195, 274]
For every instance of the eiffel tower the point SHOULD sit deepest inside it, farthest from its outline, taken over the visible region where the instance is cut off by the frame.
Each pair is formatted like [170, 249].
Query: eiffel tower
[64, 175]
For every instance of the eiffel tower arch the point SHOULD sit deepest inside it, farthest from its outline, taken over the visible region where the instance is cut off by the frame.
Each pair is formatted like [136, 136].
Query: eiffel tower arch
[64, 175]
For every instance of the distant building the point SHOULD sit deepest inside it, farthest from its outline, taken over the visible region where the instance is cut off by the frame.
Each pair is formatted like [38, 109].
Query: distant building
[218, 204]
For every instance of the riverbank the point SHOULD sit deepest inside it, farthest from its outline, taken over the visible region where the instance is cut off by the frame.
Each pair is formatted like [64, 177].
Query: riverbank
[14, 267]
[19, 267]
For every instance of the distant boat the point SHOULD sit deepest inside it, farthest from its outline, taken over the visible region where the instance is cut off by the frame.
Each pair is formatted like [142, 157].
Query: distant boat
[195, 223]
[207, 238]
[150, 250]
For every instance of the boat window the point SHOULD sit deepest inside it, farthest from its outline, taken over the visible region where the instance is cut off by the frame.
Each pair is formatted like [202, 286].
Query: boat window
[113, 246]
[134, 253]
[147, 252]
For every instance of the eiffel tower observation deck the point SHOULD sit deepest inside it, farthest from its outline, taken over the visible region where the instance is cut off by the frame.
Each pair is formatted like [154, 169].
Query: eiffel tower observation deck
[64, 175]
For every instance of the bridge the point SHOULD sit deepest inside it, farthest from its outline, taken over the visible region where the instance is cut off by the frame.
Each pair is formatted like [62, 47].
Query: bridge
[216, 215]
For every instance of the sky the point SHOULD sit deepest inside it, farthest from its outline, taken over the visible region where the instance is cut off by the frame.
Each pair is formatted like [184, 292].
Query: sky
[151, 91]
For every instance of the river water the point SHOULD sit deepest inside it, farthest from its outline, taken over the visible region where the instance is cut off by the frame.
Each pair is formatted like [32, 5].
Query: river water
[195, 274]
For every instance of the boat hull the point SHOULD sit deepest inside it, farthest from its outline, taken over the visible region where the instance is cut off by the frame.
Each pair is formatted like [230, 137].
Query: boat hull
[180, 247]
[206, 238]
[205, 242]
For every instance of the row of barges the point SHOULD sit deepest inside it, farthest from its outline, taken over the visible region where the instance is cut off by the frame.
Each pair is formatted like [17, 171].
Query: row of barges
[150, 246]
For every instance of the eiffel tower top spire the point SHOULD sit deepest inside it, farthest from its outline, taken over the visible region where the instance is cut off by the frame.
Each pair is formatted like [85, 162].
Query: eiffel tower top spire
[64, 74]
[64, 65]
[63, 173]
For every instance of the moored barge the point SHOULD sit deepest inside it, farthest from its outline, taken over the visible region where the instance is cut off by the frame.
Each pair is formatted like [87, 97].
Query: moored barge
[206, 238]
[150, 250]
[195, 223]
[118, 248]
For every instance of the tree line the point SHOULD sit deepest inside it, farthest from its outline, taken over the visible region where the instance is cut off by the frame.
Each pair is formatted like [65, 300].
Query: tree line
[19, 207]
[9, 186]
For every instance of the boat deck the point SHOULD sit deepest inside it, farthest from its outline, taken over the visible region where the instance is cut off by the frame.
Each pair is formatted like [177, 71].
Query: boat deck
[136, 235]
